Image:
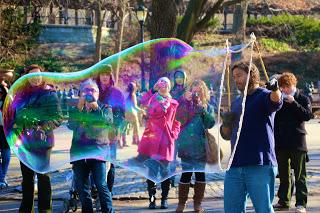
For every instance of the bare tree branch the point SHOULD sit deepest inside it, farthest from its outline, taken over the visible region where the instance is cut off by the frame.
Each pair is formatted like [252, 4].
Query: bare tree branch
[210, 13]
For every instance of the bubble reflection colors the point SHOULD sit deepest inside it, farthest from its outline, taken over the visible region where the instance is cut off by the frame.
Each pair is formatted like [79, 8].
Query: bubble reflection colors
[47, 129]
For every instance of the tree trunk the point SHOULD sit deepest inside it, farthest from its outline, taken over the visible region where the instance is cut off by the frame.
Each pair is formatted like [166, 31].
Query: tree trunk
[88, 15]
[66, 15]
[76, 16]
[239, 21]
[239, 27]
[52, 17]
[164, 19]
[99, 33]
[163, 25]
[25, 11]
[60, 15]
[186, 28]
[118, 46]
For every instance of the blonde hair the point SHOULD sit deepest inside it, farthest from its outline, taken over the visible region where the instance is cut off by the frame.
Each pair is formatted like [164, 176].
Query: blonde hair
[204, 91]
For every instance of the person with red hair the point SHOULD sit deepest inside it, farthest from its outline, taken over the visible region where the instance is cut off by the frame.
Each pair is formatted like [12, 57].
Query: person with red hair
[290, 142]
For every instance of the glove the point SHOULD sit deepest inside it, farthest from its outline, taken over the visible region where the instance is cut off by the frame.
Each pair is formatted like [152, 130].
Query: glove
[272, 85]
[199, 109]
[39, 135]
[228, 118]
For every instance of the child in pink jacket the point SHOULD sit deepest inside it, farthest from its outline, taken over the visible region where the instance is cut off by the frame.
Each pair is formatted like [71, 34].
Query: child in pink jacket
[157, 142]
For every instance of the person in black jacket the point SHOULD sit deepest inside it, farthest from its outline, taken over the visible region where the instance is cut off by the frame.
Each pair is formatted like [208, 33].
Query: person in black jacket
[290, 142]
[37, 114]
[4, 146]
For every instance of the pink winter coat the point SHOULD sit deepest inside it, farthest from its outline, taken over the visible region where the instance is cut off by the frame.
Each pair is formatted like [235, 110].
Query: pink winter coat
[161, 129]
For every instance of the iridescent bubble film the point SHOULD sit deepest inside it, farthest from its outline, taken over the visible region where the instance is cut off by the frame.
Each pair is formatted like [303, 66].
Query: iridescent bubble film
[109, 112]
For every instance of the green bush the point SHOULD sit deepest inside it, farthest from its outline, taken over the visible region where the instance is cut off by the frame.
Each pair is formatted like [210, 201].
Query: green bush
[299, 31]
[8, 64]
[50, 64]
[213, 24]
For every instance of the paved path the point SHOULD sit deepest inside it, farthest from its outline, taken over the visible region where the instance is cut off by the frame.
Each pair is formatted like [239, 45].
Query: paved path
[130, 189]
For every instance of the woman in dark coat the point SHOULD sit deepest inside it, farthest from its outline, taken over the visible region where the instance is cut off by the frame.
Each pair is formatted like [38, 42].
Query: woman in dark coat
[37, 112]
[196, 116]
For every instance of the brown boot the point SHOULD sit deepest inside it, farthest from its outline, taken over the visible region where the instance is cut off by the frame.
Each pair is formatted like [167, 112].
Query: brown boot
[199, 188]
[183, 196]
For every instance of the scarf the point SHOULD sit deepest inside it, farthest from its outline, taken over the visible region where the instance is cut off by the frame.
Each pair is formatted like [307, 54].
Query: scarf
[164, 101]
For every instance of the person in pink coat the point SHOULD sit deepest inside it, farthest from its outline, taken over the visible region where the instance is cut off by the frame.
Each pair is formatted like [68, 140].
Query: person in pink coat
[157, 142]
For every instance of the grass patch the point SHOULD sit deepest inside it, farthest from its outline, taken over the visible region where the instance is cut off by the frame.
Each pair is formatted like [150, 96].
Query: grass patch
[274, 46]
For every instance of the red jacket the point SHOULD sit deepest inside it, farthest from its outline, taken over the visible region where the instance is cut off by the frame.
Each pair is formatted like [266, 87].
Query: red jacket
[162, 129]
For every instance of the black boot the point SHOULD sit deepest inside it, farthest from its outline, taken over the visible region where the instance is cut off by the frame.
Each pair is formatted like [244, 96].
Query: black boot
[164, 203]
[165, 186]
[173, 184]
[152, 188]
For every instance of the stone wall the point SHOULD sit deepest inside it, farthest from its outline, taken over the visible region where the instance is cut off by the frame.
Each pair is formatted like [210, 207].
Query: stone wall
[71, 34]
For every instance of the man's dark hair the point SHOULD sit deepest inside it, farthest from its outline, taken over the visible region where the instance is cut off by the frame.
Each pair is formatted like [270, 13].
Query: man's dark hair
[31, 67]
[254, 73]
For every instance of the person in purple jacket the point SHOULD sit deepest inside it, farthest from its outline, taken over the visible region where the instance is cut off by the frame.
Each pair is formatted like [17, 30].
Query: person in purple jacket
[254, 165]
[111, 96]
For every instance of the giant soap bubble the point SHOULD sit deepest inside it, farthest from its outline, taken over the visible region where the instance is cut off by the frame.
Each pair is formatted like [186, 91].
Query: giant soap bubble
[60, 121]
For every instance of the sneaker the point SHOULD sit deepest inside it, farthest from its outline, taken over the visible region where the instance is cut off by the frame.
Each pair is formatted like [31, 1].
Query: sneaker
[164, 204]
[3, 185]
[279, 207]
[301, 209]
[94, 192]
[152, 205]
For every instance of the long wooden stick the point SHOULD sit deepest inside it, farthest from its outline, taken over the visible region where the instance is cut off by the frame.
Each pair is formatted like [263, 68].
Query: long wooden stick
[261, 61]
[228, 87]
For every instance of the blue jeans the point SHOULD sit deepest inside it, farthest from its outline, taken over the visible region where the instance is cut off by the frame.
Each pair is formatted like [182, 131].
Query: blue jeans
[5, 160]
[258, 182]
[82, 171]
